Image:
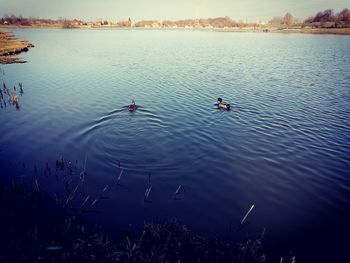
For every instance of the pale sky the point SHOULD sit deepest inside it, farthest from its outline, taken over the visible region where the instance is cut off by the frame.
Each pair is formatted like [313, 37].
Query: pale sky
[114, 10]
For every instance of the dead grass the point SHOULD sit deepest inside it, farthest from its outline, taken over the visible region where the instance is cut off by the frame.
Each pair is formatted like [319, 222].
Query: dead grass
[10, 46]
[38, 227]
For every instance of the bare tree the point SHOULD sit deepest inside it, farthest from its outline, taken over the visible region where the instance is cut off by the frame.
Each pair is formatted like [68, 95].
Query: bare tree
[288, 19]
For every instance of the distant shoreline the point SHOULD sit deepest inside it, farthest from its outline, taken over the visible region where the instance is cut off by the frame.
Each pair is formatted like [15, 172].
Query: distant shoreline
[333, 31]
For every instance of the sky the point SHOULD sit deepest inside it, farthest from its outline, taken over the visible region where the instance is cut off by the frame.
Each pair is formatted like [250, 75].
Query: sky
[115, 10]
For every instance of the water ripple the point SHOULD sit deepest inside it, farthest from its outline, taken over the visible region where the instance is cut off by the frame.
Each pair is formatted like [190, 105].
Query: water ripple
[284, 145]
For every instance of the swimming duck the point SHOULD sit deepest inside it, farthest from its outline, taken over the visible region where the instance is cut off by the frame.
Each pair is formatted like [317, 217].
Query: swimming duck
[132, 106]
[223, 105]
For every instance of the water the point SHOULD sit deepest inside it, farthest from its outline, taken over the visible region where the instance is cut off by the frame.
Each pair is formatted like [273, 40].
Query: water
[284, 146]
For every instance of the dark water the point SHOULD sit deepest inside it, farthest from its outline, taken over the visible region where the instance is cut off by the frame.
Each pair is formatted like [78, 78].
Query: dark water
[284, 146]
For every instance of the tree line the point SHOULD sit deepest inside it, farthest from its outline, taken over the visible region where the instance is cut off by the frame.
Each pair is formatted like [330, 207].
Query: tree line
[25, 21]
[328, 18]
[219, 22]
[323, 19]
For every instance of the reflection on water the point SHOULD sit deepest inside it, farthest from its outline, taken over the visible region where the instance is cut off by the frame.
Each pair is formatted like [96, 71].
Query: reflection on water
[284, 146]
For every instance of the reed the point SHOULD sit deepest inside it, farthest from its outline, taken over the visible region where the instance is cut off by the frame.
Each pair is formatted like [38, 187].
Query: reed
[147, 193]
[104, 189]
[84, 202]
[93, 202]
[10, 96]
[178, 191]
[67, 184]
[83, 172]
[64, 238]
[71, 195]
[100, 196]
[36, 188]
[120, 176]
[247, 214]
[164, 242]
[21, 87]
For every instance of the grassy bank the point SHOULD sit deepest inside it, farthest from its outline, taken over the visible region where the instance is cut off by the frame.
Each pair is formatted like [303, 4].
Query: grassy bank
[10, 46]
[36, 229]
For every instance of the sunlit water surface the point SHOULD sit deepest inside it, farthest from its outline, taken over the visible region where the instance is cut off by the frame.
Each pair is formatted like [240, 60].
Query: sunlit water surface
[284, 146]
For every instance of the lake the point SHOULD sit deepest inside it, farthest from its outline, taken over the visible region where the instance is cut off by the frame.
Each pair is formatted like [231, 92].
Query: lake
[284, 146]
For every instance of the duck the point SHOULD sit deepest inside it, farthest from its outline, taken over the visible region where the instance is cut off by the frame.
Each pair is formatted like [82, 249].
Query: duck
[132, 106]
[223, 105]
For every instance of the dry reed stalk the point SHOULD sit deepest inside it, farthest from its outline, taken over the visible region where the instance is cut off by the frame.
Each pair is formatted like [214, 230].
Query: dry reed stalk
[104, 189]
[66, 185]
[86, 199]
[94, 202]
[178, 190]
[36, 188]
[128, 244]
[120, 176]
[21, 88]
[71, 196]
[246, 215]
[147, 192]
[100, 196]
